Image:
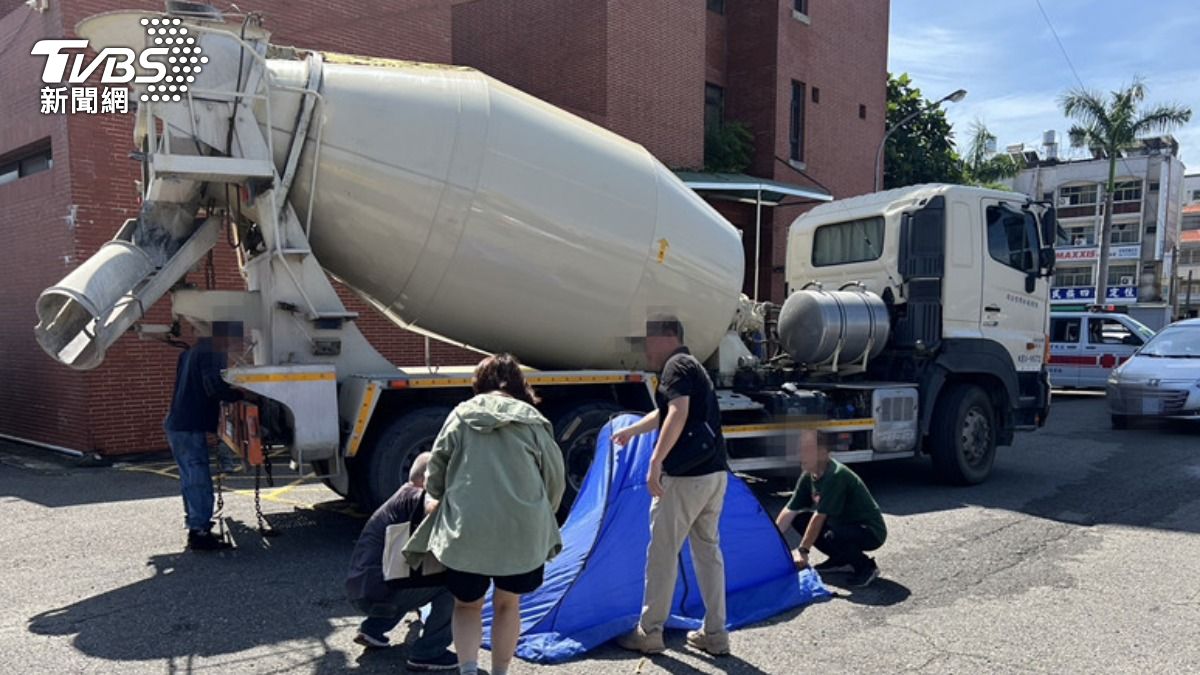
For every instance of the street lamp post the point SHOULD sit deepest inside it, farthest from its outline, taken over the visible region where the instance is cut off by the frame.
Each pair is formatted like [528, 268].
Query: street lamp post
[954, 97]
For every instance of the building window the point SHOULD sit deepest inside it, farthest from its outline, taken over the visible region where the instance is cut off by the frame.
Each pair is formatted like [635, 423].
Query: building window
[1012, 237]
[26, 161]
[1077, 195]
[796, 125]
[1072, 277]
[1125, 233]
[816, 95]
[849, 242]
[717, 6]
[800, 7]
[714, 108]
[1079, 235]
[1122, 275]
[1153, 187]
[1196, 195]
[1127, 191]
[862, 111]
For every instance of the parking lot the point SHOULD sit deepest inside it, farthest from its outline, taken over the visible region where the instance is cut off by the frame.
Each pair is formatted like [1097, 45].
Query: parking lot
[1079, 555]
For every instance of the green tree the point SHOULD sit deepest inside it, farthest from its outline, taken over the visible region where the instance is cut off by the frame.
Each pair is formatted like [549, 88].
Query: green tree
[728, 147]
[983, 167]
[922, 151]
[1111, 128]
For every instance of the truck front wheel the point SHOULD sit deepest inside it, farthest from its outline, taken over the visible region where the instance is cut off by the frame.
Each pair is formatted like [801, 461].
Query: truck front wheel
[964, 435]
[575, 431]
[385, 466]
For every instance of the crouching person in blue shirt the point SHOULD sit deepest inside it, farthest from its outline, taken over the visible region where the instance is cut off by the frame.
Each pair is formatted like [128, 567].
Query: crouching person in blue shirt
[386, 602]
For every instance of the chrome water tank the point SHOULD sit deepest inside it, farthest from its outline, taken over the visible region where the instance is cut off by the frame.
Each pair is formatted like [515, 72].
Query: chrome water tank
[818, 327]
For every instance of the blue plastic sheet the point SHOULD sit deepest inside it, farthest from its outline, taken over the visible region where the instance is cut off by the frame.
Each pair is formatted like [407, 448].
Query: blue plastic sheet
[593, 588]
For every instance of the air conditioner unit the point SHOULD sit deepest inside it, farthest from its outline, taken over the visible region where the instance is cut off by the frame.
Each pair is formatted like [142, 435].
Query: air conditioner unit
[1126, 280]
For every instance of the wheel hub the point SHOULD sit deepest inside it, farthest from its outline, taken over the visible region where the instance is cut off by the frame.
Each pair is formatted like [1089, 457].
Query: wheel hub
[976, 436]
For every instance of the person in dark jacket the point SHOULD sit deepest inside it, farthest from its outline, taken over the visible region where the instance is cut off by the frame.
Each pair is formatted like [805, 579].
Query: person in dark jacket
[386, 602]
[195, 409]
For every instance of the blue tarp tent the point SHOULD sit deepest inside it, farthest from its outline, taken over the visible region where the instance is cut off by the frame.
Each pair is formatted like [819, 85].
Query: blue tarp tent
[593, 589]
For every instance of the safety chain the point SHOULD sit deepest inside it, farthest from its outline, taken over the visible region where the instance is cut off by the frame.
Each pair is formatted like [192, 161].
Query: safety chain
[263, 530]
[219, 516]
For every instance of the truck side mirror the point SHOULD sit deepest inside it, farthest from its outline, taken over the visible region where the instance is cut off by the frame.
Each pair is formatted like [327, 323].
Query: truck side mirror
[1049, 227]
[1047, 260]
[1031, 282]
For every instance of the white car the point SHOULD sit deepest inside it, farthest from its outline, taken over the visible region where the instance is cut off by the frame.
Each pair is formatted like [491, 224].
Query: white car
[1162, 379]
[1085, 347]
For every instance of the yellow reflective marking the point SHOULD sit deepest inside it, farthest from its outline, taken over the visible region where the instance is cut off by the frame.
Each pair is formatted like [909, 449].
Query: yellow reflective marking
[577, 379]
[442, 382]
[807, 424]
[663, 245]
[282, 377]
[363, 415]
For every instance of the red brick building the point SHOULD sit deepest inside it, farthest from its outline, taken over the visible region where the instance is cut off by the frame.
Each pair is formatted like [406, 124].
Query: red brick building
[642, 69]
[808, 77]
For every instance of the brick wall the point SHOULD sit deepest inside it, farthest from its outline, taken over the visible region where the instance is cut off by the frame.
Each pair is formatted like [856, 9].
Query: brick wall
[39, 399]
[119, 406]
[556, 50]
[656, 64]
[843, 52]
[634, 67]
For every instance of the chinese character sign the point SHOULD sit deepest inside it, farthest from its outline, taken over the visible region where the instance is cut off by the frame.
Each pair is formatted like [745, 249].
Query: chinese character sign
[166, 67]
[1084, 293]
[84, 100]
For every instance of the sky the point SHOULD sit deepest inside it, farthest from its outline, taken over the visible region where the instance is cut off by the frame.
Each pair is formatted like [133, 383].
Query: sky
[1006, 57]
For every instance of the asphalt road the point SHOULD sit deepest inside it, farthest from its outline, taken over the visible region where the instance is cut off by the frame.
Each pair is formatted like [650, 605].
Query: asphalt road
[1079, 555]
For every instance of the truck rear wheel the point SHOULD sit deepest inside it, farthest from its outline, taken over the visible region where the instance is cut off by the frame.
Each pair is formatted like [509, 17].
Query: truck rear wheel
[575, 430]
[964, 438]
[389, 458]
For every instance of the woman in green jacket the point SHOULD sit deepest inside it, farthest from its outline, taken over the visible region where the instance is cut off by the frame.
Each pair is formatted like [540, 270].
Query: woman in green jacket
[498, 478]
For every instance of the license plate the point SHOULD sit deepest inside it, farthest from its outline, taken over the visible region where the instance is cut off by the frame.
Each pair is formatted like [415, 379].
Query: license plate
[1151, 406]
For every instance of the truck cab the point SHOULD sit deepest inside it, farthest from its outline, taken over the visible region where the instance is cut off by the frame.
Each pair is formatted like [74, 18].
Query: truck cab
[1085, 347]
[964, 273]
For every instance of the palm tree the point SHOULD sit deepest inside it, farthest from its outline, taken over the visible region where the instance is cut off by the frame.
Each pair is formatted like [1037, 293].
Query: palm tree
[1112, 127]
[982, 166]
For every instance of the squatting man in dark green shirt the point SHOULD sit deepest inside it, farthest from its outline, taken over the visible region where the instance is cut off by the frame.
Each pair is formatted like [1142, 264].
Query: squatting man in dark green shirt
[833, 511]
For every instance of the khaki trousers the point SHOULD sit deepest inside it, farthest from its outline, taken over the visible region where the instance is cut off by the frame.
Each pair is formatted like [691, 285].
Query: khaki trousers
[690, 508]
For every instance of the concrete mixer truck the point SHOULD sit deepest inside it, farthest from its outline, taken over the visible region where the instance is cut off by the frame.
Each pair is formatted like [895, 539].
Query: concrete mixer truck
[915, 320]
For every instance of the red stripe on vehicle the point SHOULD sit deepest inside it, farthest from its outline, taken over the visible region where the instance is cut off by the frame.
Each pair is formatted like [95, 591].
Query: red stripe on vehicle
[1073, 360]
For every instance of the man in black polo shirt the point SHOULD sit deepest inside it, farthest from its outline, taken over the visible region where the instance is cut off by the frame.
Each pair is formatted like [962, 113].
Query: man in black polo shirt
[833, 511]
[687, 478]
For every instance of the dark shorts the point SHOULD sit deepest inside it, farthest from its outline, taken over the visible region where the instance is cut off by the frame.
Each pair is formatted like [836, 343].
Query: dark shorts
[468, 587]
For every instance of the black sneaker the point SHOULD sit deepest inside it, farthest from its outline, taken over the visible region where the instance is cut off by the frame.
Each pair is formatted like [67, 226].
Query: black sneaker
[371, 641]
[866, 576]
[445, 661]
[832, 566]
[204, 540]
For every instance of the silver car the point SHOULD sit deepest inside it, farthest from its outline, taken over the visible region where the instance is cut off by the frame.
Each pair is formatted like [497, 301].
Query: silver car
[1162, 379]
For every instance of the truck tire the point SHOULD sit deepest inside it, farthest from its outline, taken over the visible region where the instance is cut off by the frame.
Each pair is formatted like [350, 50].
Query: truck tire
[575, 430]
[964, 436]
[388, 459]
